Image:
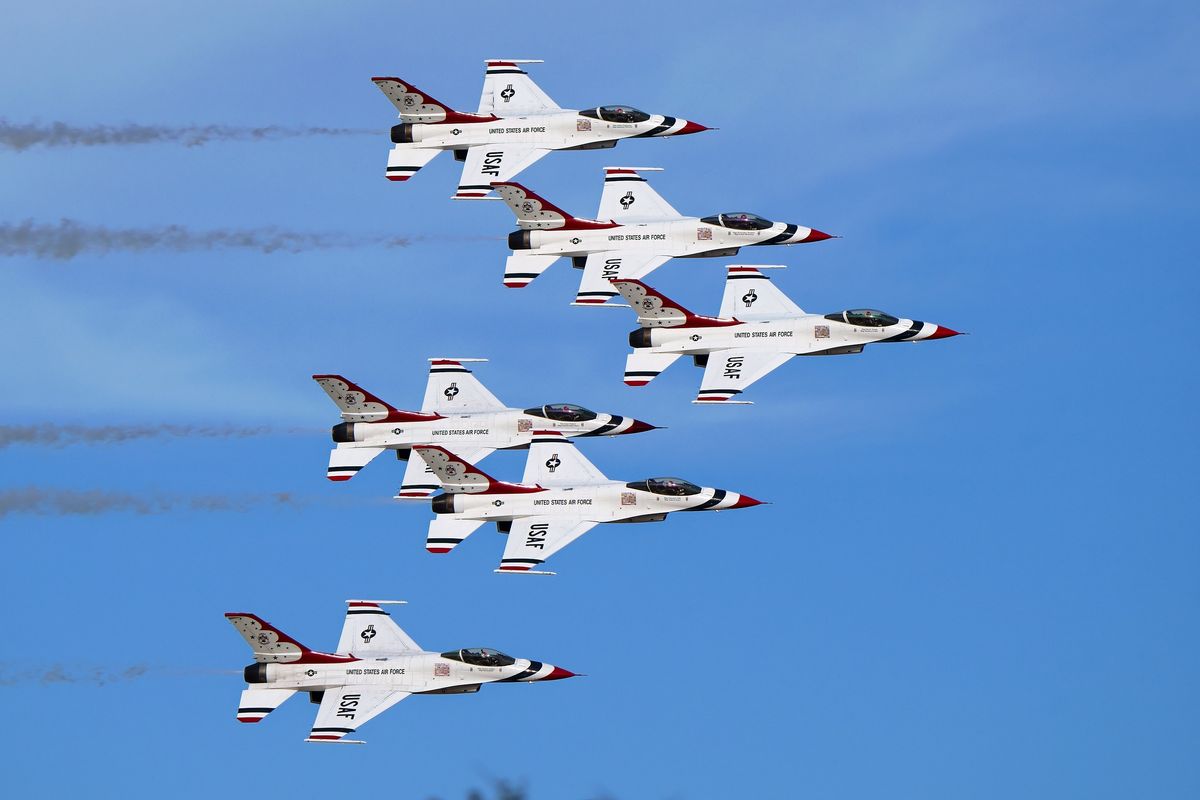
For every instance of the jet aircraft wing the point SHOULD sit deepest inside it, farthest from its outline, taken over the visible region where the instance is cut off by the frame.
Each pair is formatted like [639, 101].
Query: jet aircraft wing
[452, 389]
[600, 269]
[730, 372]
[347, 708]
[534, 539]
[419, 480]
[554, 461]
[508, 91]
[628, 199]
[370, 632]
[750, 295]
[494, 162]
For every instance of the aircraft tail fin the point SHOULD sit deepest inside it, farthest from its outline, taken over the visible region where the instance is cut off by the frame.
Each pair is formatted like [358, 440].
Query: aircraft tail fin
[273, 645]
[458, 475]
[255, 704]
[656, 310]
[359, 405]
[415, 105]
[535, 212]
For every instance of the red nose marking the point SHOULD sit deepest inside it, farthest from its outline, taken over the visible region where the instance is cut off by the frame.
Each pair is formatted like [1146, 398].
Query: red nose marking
[558, 674]
[943, 332]
[816, 236]
[691, 127]
[746, 501]
[640, 427]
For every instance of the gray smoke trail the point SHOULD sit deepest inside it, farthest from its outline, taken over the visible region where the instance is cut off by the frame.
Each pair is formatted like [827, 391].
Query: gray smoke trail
[64, 435]
[99, 676]
[67, 502]
[22, 136]
[69, 238]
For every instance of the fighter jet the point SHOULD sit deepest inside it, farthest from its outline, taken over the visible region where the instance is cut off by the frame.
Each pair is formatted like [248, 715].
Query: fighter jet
[758, 329]
[517, 123]
[634, 233]
[457, 411]
[561, 497]
[375, 666]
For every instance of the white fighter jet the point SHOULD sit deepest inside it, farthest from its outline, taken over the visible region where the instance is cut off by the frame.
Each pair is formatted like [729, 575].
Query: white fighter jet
[561, 497]
[758, 330]
[375, 666]
[635, 232]
[458, 411]
[517, 123]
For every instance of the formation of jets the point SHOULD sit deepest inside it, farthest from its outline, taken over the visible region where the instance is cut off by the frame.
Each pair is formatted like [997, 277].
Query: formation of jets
[561, 494]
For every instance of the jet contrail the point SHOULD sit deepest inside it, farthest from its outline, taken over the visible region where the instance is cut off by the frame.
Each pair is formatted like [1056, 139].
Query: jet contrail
[15, 674]
[64, 435]
[69, 238]
[12, 676]
[22, 136]
[66, 502]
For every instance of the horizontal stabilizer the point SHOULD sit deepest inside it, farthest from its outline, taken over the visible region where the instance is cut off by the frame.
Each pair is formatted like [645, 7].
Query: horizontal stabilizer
[257, 703]
[404, 161]
[345, 462]
[445, 534]
[641, 368]
[521, 270]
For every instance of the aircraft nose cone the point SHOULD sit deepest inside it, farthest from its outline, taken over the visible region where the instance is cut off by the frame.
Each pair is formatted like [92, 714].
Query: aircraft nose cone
[815, 235]
[558, 673]
[691, 127]
[746, 501]
[641, 427]
[943, 332]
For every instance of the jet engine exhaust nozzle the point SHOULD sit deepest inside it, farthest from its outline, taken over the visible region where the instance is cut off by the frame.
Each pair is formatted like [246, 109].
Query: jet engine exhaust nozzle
[402, 133]
[520, 240]
[343, 433]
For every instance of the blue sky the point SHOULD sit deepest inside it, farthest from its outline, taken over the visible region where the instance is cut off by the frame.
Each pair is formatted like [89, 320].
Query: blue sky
[978, 574]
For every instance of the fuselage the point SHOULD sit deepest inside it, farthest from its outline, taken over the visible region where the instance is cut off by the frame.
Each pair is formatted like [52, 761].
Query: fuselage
[558, 130]
[610, 501]
[417, 673]
[510, 428]
[811, 334]
[677, 238]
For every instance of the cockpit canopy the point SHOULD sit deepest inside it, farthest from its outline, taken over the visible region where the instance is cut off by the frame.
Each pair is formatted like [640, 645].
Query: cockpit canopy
[481, 657]
[739, 221]
[864, 318]
[616, 114]
[562, 412]
[676, 487]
